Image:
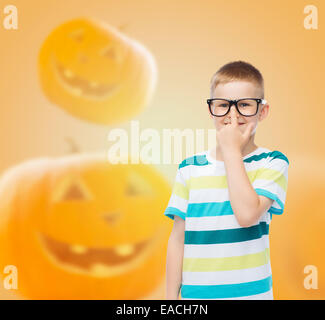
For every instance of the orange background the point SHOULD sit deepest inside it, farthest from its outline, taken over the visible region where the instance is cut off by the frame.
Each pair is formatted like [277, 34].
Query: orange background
[190, 40]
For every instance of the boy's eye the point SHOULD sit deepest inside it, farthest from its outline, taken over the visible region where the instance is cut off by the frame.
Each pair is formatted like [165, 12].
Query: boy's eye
[243, 104]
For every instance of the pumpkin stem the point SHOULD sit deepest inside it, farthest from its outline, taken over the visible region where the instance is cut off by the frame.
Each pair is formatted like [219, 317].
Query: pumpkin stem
[74, 148]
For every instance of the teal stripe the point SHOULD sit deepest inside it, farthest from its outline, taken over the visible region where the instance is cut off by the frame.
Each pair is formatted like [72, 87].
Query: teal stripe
[198, 160]
[227, 235]
[273, 155]
[226, 290]
[209, 209]
[171, 211]
[272, 196]
[278, 155]
[201, 160]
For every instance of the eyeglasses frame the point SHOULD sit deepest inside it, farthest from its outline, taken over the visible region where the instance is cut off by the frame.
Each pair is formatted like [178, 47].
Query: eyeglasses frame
[263, 101]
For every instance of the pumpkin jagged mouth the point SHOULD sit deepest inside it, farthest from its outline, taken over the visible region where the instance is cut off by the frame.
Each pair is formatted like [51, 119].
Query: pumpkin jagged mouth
[82, 87]
[100, 262]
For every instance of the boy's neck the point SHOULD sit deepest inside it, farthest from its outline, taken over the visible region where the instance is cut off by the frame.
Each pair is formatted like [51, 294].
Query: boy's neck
[250, 147]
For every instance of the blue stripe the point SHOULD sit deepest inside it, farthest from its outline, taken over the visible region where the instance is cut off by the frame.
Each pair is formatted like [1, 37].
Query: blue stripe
[226, 235]
[272, 196]
[209, 209]
[171, 211]
[275, 210]
[226, 290]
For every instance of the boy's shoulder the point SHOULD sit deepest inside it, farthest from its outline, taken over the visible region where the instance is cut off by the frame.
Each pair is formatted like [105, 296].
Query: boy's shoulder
[273, 154]
[202, 158]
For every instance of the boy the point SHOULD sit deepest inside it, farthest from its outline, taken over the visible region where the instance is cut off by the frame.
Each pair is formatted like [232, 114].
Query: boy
[223, 199]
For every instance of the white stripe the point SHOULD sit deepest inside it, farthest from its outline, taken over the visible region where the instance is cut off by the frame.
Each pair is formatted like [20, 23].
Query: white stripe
[210, 170]
[271, 186]
[279, 165]
[217, 222]
[268, 215]
[262, 296]
[222, 250]
[221, 195]
[180, 178]
[177, 202]
[227, 277]
[208, 195]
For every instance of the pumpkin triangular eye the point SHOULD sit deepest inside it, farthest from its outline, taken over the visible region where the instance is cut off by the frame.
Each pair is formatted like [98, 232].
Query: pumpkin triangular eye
[74, 193]
[71, 189]
[137, 185]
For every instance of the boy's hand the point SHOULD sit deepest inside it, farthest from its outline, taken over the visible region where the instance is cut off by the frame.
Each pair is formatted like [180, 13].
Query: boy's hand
[230, 136]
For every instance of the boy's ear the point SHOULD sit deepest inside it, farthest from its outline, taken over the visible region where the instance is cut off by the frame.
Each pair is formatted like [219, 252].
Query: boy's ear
[264, 112]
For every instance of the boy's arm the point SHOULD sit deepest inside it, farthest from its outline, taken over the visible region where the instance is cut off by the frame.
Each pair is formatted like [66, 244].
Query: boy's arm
[174, 263]
[247, 205]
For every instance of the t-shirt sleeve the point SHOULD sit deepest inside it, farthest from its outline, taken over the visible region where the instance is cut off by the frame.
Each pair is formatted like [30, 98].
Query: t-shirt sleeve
[178, 201]
[272, 181]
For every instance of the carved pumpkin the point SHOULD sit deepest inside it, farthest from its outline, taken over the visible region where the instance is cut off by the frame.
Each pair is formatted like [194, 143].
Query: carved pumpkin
[95, 72]
[298, 238]
[78, 227]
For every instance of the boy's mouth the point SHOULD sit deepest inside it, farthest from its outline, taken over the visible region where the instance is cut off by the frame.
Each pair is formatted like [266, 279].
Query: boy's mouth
[239, 123]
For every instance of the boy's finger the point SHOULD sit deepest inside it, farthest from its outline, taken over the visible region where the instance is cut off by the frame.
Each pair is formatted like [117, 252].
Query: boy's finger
[248, 130]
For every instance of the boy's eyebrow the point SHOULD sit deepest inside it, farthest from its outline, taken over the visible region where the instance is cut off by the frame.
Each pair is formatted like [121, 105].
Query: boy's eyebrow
[236, 99]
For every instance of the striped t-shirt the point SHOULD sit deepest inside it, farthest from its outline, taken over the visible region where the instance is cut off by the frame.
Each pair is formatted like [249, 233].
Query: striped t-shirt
[223, 260]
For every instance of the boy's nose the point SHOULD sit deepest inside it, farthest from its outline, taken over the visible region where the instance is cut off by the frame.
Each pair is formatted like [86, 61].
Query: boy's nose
[233, 110]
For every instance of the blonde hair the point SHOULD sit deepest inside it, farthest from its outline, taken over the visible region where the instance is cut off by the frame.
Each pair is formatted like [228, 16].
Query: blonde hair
[237, 71]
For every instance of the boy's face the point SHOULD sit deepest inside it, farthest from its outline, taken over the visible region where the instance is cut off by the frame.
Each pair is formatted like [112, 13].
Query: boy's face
[237, 90]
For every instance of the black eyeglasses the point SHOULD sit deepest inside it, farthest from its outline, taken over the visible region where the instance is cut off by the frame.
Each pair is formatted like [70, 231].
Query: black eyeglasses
[247, 107]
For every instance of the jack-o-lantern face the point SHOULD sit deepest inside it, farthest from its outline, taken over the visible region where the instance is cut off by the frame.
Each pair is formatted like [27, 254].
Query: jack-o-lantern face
[83, 228]
[95, 72]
